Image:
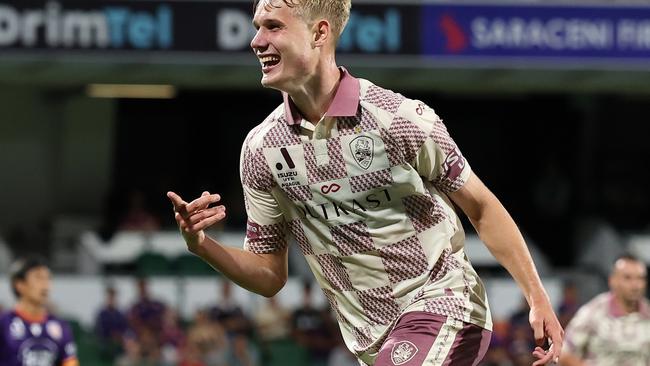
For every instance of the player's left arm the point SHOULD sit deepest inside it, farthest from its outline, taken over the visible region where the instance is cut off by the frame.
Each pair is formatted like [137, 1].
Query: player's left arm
[504, 240]
[68, 348]
[439, 160]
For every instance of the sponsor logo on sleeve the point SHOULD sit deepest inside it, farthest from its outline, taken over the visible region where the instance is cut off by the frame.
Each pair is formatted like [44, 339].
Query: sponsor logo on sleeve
[252, 230]
[454, 164]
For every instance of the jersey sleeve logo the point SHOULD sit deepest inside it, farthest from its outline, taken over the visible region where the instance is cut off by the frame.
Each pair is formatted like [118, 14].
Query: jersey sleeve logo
[252, 230]
[362, 150]
[454, 164]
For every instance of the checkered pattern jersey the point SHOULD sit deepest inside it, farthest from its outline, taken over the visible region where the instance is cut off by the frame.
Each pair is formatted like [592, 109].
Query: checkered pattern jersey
[368, 208]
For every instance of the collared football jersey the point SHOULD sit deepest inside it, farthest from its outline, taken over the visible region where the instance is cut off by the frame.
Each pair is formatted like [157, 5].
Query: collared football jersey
[602, 334]
[26, 342]
[364, 194]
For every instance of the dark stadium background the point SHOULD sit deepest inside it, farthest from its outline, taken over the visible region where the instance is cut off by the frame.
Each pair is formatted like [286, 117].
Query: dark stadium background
[561, 136]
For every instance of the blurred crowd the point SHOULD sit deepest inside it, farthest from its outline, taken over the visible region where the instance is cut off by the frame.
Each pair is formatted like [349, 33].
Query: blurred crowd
[151, 333]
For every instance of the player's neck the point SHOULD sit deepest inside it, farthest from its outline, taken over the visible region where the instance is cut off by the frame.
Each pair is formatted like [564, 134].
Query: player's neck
[628, 307]
[30, 310]
[315, 96]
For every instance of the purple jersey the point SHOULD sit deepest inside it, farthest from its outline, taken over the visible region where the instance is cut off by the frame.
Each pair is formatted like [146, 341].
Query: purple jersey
[28, 342]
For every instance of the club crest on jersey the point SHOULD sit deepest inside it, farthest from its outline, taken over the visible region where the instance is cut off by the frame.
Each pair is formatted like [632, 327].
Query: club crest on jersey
[54, 330]
[362, 150]
[17, 329]
[403, 352]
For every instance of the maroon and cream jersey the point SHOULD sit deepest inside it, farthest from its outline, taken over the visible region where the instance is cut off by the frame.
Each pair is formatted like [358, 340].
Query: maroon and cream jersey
[364, 194]
[602, 334]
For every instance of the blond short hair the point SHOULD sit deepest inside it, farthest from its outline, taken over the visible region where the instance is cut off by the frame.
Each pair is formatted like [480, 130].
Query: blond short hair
[336, 11]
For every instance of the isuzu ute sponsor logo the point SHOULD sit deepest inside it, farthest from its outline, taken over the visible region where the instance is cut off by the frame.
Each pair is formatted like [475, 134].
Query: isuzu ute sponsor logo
[288, 178]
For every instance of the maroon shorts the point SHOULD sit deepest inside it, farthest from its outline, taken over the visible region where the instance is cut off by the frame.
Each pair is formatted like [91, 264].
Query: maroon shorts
[421, 338]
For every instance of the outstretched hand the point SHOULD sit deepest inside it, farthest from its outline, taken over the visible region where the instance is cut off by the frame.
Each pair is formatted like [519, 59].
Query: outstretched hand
[194, 217]
[546, 327]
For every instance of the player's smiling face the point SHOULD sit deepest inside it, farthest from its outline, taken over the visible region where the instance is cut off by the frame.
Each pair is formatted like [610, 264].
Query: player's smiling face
[283, 44]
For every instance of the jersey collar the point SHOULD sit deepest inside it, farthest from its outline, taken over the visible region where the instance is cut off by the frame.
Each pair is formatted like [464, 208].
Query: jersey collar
[344, 104]
[29, 317]
[615, 309]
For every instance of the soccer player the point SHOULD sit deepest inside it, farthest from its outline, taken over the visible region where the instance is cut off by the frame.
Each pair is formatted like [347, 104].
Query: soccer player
[614, 327]
[365, 180]
[29, 336]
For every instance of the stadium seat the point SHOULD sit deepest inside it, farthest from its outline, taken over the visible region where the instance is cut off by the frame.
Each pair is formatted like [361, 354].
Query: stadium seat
[287, 352]
[153, 264]
[190, 265]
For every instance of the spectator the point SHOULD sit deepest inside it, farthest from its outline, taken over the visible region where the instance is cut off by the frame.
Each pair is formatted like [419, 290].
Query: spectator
[272, 321]
[613, 328]
[497, 354]
[520, 337]
[146, 314]
[132, 352]
[238, 326]
[229, 313]
[173, 338]
[110, 325]
[569, 304]
[271, 325]
[207, 344]
[137, 215]
[313, 329]
[140, 351]
[341, 355]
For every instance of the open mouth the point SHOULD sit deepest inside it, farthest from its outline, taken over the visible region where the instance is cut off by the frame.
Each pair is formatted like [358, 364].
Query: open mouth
[268, 62]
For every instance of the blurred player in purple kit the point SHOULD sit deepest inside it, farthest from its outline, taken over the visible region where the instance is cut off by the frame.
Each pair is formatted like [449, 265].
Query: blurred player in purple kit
[366, 181]
[29, 336]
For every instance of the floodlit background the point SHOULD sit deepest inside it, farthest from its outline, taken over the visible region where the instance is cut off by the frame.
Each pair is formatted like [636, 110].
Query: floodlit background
[107, 105]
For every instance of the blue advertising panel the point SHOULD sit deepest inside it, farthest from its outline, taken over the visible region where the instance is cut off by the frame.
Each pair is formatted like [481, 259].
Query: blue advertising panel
[536, 31]
[398, 33]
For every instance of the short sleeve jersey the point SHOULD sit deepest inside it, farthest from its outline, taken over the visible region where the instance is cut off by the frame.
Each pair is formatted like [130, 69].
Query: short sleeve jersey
[602, 334]
[46, 342]
[364, 195]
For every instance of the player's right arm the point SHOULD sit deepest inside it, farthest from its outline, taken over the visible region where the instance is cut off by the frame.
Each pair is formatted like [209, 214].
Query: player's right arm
[264, 274]
[262, 266]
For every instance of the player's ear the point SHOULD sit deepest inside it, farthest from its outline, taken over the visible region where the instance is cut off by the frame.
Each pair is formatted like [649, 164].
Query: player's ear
[19, 287]
[322, 32]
